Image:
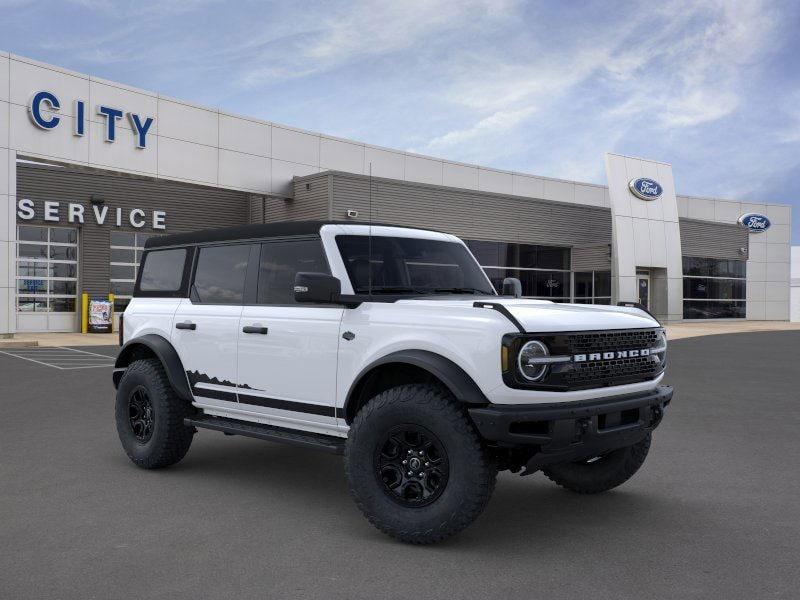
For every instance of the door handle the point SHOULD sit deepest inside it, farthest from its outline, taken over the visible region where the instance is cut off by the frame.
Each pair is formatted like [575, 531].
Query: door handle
[255, 329]
[186, 325]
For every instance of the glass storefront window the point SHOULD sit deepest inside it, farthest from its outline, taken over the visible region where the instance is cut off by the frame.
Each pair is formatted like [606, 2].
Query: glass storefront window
[32, 251]
[64, 253]
[602, 286]
[28, 233]
[46, 269]
[543, 270]
[584, 288]
[31, 304]
[592, 287]
[525, 256]
[714, 288]
[62, 305]
[714, 309]
[714, 267]
[125, 272]
[61, 235]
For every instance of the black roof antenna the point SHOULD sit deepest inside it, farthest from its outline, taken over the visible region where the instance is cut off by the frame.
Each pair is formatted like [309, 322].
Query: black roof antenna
[369, 243]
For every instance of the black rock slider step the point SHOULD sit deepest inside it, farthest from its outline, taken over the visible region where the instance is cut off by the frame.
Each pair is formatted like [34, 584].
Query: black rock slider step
[326, 443]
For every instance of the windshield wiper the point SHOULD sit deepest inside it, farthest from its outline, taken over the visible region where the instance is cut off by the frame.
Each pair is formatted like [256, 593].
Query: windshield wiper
[388, 289]
[460, 290]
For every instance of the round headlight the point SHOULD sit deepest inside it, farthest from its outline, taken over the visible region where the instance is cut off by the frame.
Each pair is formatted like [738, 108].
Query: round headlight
[529, 367]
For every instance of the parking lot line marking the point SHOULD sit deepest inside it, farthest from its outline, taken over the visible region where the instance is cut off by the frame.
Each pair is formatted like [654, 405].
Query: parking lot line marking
[76, 361]
[48, 354]
[86, 352]
[62, 358]
[32, 360]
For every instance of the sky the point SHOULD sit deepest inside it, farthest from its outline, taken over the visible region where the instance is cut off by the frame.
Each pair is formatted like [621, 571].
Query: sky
[712, 87]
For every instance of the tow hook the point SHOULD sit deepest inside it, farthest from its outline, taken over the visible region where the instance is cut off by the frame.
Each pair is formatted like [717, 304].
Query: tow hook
[656, 415]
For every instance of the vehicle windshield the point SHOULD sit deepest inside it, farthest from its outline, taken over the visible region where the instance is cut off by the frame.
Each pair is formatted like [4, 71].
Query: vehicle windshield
[411, 266]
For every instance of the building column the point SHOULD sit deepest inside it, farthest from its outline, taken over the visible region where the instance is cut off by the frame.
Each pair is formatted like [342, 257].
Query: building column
[8, 191]
[645, 235]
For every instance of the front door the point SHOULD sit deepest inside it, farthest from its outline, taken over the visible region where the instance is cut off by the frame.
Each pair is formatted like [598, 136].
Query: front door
[288, 351]
[644, 290]
[205, 326]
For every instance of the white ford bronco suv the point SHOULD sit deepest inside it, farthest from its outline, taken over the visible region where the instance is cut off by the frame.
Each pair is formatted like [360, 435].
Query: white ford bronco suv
[391, 346]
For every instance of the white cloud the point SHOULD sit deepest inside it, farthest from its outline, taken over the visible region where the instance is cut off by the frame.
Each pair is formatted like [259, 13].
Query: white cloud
[353, 31]
[674, 66]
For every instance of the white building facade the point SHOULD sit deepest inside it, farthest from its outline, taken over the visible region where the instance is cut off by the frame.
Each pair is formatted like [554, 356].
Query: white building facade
[90, 168]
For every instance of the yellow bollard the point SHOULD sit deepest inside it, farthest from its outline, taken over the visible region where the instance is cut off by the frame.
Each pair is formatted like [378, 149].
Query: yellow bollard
[84, 313]
[111, 299]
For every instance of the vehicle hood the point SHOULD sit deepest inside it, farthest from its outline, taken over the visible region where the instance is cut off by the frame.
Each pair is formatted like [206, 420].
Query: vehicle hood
[539, 316]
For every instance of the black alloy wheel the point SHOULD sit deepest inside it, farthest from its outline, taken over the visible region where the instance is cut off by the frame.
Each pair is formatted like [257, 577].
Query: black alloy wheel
[411, 465]
[140, 414]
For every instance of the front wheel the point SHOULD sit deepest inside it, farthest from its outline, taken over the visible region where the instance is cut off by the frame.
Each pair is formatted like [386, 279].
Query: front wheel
[600, 473]
[416, 466]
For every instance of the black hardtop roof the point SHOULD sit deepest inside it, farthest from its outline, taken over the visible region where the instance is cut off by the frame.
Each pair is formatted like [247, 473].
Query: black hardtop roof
[252, 232]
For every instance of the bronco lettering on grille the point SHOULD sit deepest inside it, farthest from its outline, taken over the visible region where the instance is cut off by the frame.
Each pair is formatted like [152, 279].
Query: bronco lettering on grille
[610, 355]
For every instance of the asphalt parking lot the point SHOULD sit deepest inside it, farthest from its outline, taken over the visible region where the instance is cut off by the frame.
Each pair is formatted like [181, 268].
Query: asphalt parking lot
[714, 513]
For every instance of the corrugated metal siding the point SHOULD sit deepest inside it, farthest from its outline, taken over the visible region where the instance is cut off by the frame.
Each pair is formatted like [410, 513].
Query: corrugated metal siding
[591, 258]
[468, 214]
[188, 207]
[257, 206]
[713, 240]
[310, 202]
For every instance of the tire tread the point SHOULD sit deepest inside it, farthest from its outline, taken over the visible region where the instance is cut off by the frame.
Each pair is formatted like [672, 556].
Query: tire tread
[175, 443]
[482, 475]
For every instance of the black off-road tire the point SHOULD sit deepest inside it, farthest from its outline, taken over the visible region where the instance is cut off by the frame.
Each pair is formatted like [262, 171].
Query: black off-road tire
[602, 474]
[169, 438]
[471, 473]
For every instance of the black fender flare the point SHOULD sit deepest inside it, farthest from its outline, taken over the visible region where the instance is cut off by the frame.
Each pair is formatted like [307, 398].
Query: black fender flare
[454, 378]
[165, 352]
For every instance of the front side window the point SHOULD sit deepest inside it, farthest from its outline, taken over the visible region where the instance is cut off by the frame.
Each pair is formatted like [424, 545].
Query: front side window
[280, 263]
[220, 274]
[396, 265]
[162, 270]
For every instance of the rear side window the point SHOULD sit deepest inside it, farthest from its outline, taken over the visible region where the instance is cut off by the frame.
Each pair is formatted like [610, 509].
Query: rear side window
[162, 270]
[281, 261]
[220, 274]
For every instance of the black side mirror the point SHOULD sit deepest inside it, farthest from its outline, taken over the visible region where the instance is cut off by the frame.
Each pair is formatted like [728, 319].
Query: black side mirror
[320, 288]
[512, 287]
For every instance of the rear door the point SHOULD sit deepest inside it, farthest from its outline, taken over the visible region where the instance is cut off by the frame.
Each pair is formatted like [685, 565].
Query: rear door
[288, 351]
[205, 327]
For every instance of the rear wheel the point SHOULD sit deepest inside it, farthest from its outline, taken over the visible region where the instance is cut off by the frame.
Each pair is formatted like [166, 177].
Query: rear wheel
[150, 416]
[600, 473]
[416, 466]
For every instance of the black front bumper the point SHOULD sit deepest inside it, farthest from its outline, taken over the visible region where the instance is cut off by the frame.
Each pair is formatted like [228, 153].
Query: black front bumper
[568, 431]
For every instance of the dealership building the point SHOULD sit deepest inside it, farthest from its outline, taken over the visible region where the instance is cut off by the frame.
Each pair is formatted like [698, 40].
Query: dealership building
[90, 168]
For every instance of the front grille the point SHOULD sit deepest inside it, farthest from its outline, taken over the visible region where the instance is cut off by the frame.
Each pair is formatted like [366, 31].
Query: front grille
[613, 371]
[602, 341]
[589, 373]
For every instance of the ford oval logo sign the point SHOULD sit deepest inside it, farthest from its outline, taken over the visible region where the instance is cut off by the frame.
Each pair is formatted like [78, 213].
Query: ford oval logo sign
[754, 222]
[646, 189]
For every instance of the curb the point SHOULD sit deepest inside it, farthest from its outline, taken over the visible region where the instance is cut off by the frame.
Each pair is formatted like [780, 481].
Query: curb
[18, 344]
